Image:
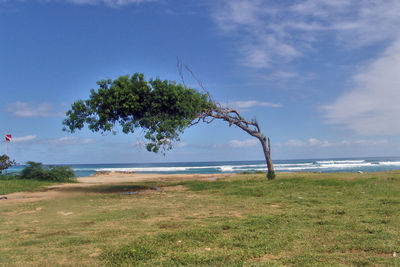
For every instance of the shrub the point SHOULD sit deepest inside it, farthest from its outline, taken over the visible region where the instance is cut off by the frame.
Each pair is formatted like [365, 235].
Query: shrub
[5, 163]
[35, 170]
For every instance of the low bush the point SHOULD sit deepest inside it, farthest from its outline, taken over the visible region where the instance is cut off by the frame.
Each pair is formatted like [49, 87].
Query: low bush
[35, 170]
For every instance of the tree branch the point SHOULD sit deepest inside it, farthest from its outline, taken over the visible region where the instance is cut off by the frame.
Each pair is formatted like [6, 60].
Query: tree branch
[231, 116]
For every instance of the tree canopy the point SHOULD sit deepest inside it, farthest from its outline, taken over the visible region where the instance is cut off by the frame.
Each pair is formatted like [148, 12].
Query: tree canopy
[163, 109]
[6, 163]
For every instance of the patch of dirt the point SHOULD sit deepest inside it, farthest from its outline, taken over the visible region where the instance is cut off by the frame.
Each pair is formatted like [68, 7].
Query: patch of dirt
[96, 253]
[267, 258]
[177, 188]
[76, 189]
[275, 206]
[236, 214]
[87, 224]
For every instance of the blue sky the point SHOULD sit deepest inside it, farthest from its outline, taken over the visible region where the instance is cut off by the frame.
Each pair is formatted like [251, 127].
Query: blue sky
[321, 76]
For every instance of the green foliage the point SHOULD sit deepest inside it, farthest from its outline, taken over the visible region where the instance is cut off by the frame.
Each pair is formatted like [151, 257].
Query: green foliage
[5, 163]
[162, 108]
[35, 170]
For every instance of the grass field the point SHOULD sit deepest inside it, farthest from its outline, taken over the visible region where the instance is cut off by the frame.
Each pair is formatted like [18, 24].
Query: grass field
[18, 185]
[298, 219]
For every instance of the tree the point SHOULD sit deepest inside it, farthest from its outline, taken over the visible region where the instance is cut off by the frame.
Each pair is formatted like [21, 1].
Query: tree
[6, 163]
[163, 109]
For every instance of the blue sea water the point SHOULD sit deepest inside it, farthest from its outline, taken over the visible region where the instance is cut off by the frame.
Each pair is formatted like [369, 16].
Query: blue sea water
[306, 165]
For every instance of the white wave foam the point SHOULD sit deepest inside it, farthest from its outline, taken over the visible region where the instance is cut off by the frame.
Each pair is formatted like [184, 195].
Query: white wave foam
[293, 164]
[261, 165]
[249, 166]
[226, 168]
[324, 165]
[253, 169]
[389, 163]
[339, 161]
[222, 168]
[344, 165]
[297, 168]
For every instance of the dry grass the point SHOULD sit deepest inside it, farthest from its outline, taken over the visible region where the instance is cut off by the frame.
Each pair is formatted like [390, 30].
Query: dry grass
[299, 219]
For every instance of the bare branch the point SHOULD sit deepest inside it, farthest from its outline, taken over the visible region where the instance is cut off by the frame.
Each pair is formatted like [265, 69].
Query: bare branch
[194, 122]
[232, 117]
[199, 82]
[179, 67]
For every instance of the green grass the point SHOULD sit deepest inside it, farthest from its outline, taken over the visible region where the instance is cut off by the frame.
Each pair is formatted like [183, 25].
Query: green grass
[299, 219]
[19, 185]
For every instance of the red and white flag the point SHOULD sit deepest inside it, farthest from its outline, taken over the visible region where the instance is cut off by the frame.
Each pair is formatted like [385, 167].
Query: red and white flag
[8, 137]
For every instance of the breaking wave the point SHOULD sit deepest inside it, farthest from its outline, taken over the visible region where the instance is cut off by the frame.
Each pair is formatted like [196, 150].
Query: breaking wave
[319, 165]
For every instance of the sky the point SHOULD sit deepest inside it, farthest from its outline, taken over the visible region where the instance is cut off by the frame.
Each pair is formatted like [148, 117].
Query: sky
[322, 77]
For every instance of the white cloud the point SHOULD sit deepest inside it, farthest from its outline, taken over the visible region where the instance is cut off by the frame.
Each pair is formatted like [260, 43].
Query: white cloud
[370, 143]
[22, 109]
[269, 32]
[314, 142]
[311, 142]
[248, 22]
[250, 104]
[266, 33]
[243, 143]
[357, 23]
[70, 140]
[22, 139]
[112, 3]
[294, 143]
[284, 75]
[372, 106]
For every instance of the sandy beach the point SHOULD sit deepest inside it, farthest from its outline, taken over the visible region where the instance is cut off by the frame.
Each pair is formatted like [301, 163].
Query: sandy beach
[120, 177]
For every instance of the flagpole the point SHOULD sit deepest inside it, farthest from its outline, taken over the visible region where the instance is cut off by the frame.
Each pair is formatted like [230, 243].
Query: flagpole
[8, 138]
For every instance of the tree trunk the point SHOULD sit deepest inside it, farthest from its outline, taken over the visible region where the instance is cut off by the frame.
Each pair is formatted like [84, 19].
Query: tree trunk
[267, 155]
[233, 117]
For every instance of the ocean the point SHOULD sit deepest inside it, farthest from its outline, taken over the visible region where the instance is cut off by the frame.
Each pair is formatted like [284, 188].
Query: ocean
[305, 165]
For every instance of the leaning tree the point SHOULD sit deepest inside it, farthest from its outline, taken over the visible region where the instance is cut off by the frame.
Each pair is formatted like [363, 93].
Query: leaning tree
[163, 109]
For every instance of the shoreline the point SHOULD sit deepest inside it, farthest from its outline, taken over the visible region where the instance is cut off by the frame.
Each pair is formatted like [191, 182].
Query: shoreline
[367, 164]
